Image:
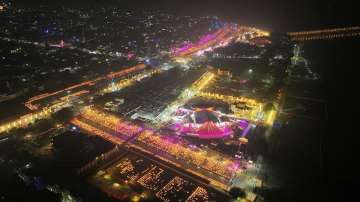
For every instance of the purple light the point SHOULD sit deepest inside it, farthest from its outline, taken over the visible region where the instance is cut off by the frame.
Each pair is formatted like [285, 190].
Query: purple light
[184, 48]
[234, 166]
[243, 124]
[208, 39]
[130, 56]
[246, 131]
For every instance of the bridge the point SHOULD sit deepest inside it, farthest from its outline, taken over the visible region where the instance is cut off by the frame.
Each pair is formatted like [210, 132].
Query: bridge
[325, 34]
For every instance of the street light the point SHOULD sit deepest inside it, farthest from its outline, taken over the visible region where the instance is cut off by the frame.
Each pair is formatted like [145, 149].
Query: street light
[250, 71]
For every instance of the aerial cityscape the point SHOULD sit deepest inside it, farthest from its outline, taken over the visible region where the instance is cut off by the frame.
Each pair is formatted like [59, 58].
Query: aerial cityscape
[106, 102]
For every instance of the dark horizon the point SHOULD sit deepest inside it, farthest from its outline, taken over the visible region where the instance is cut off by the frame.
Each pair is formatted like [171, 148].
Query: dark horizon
[279, 16]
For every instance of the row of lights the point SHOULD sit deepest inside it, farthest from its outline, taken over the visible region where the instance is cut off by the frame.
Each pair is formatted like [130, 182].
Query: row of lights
[325, 36]
[324, 31]
[25, 120]
[228, 98]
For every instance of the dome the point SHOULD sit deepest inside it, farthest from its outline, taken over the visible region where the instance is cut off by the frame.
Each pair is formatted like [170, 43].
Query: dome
[205, 115]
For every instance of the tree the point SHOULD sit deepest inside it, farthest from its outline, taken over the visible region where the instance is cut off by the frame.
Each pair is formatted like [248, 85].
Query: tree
[63, 115]
[237, 192]
[269, 106]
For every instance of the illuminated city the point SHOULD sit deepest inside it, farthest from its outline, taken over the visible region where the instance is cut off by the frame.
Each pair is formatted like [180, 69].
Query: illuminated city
[131, 102]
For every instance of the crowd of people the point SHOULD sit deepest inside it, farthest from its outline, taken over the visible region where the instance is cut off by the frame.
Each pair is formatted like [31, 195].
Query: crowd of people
[215, 163]
[110, 121]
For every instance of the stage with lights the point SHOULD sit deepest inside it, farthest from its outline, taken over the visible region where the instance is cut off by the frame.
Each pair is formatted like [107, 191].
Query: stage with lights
[205, 123]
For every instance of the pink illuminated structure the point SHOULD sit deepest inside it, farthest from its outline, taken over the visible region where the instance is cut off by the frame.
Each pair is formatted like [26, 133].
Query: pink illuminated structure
[202, 123]
[208, 41]
[222, 37]
[210, 130]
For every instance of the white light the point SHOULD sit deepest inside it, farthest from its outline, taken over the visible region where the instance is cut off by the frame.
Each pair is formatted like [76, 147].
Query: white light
[250, 71]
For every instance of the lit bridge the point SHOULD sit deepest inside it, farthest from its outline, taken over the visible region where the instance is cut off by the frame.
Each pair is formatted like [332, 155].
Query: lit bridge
[325, 34]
